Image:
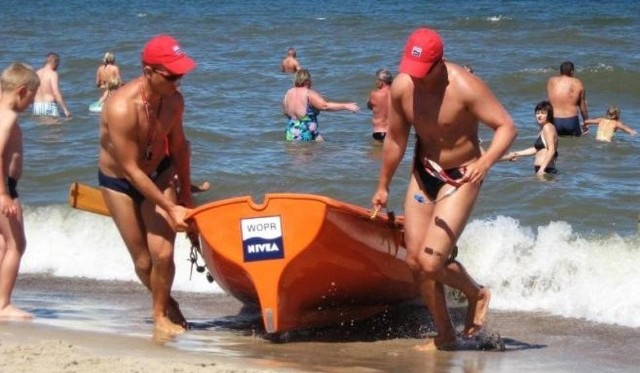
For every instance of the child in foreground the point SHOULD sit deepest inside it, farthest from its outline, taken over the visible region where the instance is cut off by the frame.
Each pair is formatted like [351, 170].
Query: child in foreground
[19, 84]
[609, 125]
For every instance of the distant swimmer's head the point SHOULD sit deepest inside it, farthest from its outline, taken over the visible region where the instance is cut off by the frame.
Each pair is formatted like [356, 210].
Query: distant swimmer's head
[109, 58]
[613, 112]
[301, 77]
[164, 50]
[567, 68]
[291, 52]
[423, 50]
[384, 76]
[53, 59]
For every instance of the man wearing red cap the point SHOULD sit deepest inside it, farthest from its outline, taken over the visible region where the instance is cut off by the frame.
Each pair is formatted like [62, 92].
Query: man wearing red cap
[444, 103]
[142, 147]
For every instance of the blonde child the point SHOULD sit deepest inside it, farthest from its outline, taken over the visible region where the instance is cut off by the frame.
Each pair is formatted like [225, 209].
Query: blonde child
[19, 83]
[609, 125]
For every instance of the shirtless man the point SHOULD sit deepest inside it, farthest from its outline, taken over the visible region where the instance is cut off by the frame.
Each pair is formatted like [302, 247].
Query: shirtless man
[48, 96]
[444, 103]
[290, 64]
[379, 104]
[567, 96]
[142, 147]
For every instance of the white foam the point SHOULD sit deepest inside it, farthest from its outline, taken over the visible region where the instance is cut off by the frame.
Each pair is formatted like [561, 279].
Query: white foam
[71, 243]
[548, 268]
[555, 270]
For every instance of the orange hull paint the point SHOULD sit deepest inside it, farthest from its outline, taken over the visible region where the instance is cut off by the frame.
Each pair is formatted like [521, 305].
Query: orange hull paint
[304, 260]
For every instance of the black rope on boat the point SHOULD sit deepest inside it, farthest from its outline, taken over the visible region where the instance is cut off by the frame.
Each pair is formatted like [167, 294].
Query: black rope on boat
[193, 257]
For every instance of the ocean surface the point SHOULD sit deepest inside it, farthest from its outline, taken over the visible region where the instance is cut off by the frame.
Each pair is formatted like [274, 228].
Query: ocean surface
[566, 247]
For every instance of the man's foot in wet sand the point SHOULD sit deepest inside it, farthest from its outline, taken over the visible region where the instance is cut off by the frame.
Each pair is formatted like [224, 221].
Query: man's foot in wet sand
[477, 311]
[164, 325]
[175, 315]
[489, 342]
[435, 344]
[11, 312]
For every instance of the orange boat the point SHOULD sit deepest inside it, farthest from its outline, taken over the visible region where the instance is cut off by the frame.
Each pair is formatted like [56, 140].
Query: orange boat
[305, 260]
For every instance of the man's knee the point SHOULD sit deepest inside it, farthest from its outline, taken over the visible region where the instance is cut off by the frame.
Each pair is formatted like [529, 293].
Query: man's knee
[142, 264]
[432, 261]
[414, 264]
[163, 257]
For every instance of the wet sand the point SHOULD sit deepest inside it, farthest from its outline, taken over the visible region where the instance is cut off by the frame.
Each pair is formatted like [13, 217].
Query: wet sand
[96, 326]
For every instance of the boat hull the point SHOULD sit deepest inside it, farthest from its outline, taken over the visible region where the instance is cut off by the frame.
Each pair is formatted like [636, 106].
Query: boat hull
[304, 260]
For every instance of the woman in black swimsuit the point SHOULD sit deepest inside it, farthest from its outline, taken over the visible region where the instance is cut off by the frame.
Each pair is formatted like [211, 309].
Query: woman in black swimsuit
[545, 148]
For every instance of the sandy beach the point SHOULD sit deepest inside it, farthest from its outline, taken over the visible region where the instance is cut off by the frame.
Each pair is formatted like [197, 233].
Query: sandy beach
[27, 347]
[92, 326]
[76, 338]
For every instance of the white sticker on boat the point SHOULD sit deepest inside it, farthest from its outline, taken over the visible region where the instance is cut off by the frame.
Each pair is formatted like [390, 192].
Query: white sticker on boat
[262, 238]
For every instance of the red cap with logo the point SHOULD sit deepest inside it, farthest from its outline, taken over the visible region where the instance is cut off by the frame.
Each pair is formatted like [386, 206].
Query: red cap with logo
[165, 51]
[423, 49]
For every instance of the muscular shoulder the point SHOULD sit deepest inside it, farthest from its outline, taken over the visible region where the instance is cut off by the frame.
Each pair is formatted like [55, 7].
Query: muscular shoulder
[120, 109]
[553, 79]
[44, 74]
[577, 83]
[463, 84]
[401, 87]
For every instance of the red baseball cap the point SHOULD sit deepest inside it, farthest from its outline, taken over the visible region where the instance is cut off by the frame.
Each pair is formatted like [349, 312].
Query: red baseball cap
[423, 49]
[164, 50]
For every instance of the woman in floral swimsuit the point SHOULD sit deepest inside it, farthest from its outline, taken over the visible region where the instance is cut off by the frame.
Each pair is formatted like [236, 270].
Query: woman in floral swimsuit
[301, 105]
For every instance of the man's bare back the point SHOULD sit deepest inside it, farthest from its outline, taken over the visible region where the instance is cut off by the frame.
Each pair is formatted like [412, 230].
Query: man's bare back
[379, 104]
[565, 95]
[48, 78]
[290, 64]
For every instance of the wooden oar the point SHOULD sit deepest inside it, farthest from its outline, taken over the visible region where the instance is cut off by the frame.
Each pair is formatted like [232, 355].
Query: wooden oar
[88, 198]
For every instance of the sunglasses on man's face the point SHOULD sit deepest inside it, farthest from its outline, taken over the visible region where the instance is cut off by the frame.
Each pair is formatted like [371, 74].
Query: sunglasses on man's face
[169, 77]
